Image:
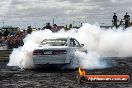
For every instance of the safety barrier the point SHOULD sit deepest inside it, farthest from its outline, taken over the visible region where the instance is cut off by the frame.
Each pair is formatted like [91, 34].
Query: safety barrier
[4, 55]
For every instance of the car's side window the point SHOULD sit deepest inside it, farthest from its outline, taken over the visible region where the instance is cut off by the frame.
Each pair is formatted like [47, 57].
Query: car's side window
[76, 43]
[71, 42]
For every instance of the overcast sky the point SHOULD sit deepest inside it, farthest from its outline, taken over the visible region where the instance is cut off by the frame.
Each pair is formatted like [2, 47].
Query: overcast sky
[37, 12]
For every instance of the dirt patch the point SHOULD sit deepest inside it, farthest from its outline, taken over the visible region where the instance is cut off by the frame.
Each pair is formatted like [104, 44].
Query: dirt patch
[14, 77]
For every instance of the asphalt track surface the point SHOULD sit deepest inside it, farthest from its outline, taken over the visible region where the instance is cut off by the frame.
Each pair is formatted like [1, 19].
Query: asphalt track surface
[13, 77]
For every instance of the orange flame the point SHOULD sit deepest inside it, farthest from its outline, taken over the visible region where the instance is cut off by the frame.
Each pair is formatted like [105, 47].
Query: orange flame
[81, 71]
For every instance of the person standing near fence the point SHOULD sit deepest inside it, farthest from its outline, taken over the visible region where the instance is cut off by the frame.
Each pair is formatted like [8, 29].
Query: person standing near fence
[29, 30]
[6, 32]
[127, 19]
[115, 20]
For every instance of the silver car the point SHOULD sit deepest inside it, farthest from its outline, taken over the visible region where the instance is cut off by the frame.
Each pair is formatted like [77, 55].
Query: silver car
[56, 51]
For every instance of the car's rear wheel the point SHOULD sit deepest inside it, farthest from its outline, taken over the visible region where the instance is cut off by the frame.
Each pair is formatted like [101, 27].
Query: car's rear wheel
[59, 67]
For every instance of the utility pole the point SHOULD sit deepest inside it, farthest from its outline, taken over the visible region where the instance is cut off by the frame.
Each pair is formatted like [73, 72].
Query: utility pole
[53, 21]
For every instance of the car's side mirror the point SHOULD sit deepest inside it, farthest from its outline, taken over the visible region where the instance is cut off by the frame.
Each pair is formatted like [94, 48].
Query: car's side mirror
[82, 45]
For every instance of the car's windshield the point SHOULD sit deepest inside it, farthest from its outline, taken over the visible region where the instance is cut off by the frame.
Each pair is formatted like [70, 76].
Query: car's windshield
[54, 42]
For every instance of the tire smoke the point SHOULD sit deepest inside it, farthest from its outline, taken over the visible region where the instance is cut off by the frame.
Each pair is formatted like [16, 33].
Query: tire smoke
[98, 42]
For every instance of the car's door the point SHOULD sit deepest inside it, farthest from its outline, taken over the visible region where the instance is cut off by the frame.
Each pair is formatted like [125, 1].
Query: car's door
[74, 46]
[77, 46]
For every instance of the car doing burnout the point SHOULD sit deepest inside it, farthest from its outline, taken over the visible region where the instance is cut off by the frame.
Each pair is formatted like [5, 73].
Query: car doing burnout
[56, 51]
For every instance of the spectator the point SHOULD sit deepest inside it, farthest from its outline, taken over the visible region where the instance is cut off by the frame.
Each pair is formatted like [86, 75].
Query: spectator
[0, 33]
[48, 26]
[121, 23]
[12, 33]
[24, 33]
[66, 28]
[115, 20]
[54, 28]
[12, 39]
[29, 30]
[70, 26]
[127, 19]
[5, 34]
[9, 42]
[81, 24]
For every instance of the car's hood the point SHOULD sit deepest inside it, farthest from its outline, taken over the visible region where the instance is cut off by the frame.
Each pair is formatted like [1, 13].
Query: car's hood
[52, 47]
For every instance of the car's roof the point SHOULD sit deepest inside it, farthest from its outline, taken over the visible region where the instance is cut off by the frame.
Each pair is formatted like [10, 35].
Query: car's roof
[59, 38]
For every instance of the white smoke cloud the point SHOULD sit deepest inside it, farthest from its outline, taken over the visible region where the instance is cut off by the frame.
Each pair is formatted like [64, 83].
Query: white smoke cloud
[91, 60]
[98, 42]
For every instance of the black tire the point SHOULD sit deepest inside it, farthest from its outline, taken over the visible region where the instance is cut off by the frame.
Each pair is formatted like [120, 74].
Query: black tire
[82, 79]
